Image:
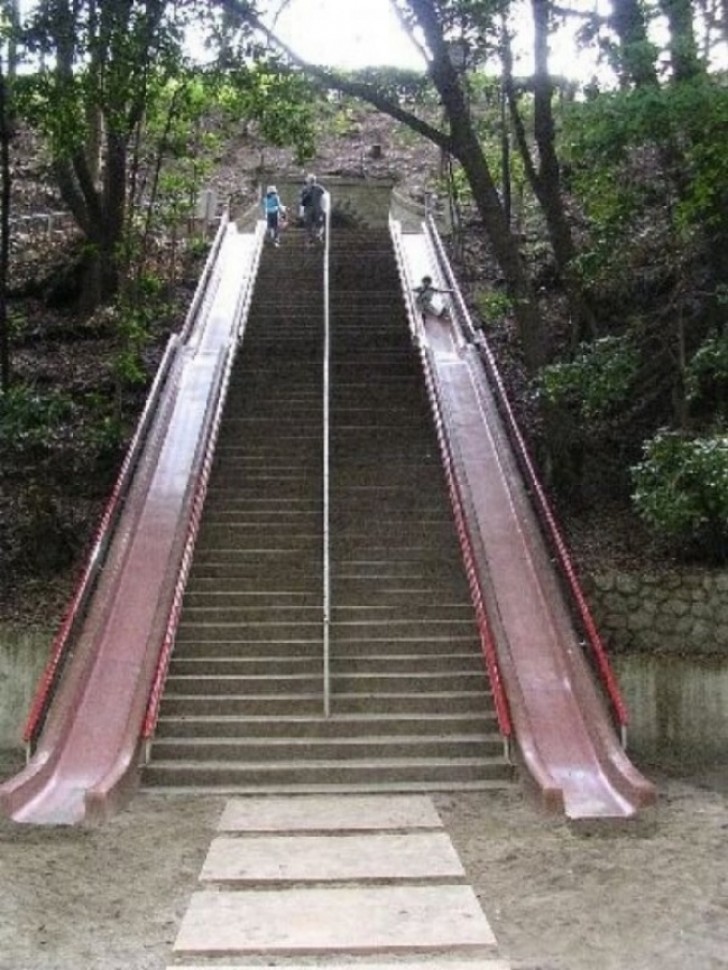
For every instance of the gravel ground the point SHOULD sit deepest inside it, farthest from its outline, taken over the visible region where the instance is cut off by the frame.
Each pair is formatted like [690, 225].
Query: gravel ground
[111, 898]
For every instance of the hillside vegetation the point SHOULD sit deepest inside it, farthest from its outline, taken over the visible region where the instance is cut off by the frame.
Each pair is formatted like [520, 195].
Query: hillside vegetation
[590, 236]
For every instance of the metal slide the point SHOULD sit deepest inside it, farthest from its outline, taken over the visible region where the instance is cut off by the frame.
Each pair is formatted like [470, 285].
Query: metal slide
[565, 736]
[87, 753]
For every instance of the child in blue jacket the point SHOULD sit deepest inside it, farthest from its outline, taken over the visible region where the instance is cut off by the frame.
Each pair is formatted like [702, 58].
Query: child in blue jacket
[274, 214]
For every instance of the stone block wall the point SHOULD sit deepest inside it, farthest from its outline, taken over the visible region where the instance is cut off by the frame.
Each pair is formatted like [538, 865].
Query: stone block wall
[683, 612]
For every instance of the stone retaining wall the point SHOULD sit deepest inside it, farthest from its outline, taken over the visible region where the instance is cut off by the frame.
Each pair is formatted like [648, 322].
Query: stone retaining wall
[682, 613]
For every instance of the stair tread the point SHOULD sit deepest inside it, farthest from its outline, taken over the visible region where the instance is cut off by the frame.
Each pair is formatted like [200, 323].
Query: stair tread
[375, 739]
[316, 763]
[484, 784]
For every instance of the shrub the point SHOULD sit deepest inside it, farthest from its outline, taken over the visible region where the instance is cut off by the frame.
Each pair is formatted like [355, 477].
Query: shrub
[706, 376]
[31, 419]
[681, 491]
[596, 381]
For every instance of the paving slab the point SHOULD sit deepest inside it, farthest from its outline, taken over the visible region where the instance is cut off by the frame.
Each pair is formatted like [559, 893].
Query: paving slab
[321, 813]
[327, 921]
[311, 858]
[429, 963]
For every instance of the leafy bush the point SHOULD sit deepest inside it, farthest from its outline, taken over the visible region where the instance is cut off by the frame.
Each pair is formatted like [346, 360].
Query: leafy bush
[612, 146]
[30, 419]
[681, 491]
[493, 306]
[596, 381]
[706, 376]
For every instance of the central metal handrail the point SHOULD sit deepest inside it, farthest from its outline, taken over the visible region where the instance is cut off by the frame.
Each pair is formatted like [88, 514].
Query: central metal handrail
[326, 462]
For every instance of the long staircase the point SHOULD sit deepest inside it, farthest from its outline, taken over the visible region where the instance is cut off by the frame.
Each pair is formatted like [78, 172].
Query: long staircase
[410, 708]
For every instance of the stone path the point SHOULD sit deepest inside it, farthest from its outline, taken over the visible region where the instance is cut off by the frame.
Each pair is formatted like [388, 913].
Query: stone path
[334, 881]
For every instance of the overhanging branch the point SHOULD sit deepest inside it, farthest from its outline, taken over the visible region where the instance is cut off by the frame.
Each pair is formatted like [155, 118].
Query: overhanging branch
[331, 79]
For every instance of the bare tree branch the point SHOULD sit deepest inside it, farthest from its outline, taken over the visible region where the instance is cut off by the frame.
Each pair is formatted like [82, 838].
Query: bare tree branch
[332, 79]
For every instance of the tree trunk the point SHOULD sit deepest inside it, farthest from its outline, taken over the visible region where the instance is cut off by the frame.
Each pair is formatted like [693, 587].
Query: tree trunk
[5, 186]
[467, 150]
[545, 181]
[547, 184]
[6, 134]
[636, 54]
[683, 46]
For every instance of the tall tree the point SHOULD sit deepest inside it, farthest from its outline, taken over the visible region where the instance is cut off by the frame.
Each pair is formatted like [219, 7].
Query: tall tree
[90, 96]
[435, 24]
[545, 179]
[635, 57]
[8, 65]
[683, 45]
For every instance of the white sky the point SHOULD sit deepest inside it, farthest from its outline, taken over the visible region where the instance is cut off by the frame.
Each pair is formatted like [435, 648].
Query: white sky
[363, 33]
[347, 33]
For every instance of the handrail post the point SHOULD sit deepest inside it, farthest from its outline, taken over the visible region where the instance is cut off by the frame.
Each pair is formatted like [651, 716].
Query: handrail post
[326, 460]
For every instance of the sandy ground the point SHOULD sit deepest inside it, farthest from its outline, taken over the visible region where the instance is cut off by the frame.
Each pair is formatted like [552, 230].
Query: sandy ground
[111, 898]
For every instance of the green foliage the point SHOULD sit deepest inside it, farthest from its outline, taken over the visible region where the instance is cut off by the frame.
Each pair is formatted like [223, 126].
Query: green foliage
[681, 491]
[493, 305]
[615, 143]
[455, 184]
[30, 419]
[706, 376]
[596, 381]
[397, 84]
[282, 104]
[136, 316]
[105, 432]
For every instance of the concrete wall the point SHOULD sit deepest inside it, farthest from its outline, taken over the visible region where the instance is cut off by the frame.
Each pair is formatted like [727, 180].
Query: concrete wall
[681, 612]
[677, 707]
[23, 656]
[362, 202]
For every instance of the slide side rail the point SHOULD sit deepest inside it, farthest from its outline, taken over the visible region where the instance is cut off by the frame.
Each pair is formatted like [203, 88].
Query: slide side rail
[165, 654]
[76, 611]
[542, 504]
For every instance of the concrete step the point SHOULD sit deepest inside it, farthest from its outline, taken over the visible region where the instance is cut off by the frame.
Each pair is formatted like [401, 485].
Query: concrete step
[313, 749]
[221, 589]
[334, 726]
[403, 628]
[213, 685]
[310, 664]
[312, 646]
[443, 963]
[350, 683]
[244, 535]
[209, 610]
[282, 704]
[408, 664]
[433, 702]
[199, 596]
[391, 771]
[271, 632]
[261, 664]
[274, 705]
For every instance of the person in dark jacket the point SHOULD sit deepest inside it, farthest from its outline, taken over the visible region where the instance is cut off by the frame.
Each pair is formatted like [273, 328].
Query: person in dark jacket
[312, 209]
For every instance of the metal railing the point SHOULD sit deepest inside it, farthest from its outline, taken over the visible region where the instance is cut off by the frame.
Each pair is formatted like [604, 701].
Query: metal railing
[541, 503]
[326, 463]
